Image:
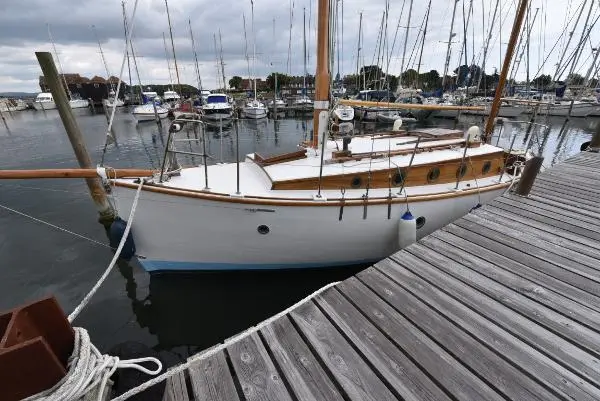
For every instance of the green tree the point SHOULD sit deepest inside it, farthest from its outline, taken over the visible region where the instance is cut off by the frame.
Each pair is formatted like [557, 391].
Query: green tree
[282, 80]
[575, 79]
[542, 81]
[409, 77]
[235, 82]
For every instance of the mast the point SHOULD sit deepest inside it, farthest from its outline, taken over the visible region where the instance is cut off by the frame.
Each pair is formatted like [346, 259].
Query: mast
[168, 61]
[289, 55]
[173, 46]
[583, 38]
[217, 62]
[591, 69]
[358, 53]
[304, 47]
[449, 43]
[559, 65]
[102, 56]
[127, 48]
[246, 46]
[322, 72]
[410, 7]
[528, 87]
[423, 43]
[518, 23]
[485, 49]
[222, 63]
[196, 67]
[59, 64]
[253, 50]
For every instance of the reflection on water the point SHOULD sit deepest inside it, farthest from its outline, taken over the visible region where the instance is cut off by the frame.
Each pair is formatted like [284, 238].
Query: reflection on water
[177, 314]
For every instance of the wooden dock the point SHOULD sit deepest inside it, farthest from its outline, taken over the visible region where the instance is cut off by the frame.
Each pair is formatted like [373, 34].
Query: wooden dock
[503, 304]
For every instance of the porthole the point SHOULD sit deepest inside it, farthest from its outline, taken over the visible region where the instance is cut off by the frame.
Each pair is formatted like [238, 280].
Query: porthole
[433, 174]
[262, 229]
[356, 182]
[398, 178]
[487, 166]
[421, 221]
[461, 171]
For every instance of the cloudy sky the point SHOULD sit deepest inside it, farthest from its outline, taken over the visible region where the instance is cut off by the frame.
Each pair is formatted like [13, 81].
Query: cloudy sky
[23, 30]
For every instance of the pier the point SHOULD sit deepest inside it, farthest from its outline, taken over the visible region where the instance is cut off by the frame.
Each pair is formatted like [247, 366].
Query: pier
[502, 304]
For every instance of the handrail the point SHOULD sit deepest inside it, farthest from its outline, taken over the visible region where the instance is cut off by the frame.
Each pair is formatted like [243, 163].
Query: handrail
[417, 106]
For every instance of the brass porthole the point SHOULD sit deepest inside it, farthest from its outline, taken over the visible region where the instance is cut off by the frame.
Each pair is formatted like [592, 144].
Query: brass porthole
[356, 182]
[461, 171]
[487, 166]
[398, 178]
[433, 174]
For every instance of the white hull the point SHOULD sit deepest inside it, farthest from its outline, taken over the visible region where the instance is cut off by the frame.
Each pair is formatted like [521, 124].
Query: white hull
[78, 103]
[504, 111]
[344, 113]
[388, 117]
[111, 103]
[149, 116]
[216, 117]
[44, 106]
[180, 233]
[255, 112]
[579, 110]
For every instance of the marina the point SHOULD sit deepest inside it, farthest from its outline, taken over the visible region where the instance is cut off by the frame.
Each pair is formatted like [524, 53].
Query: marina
[387, 232]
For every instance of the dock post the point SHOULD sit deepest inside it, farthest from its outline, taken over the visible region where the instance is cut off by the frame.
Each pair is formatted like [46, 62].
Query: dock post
[532, 168]
[105, 210]
[92, 105]
[595, 142]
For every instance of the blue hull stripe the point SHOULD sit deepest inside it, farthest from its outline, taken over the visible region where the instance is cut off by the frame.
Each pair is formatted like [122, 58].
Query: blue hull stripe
[164, 265]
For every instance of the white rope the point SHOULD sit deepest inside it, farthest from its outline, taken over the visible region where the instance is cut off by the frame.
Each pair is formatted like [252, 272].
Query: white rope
[90, 294]
[207, 354]
[89, 371]
[53, 226]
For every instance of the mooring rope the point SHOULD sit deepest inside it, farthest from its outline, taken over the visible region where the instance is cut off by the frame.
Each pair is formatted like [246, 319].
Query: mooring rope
[95, 288]
[89, 371]
[212, 351]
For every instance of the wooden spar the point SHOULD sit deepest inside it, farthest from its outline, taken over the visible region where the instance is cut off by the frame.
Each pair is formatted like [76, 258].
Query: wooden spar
[72, 173]
[322, 74]
[350, 102]
[516, 29]
[106, 211]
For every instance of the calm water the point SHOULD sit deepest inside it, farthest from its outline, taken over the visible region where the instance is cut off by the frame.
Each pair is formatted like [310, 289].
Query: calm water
[176, 314]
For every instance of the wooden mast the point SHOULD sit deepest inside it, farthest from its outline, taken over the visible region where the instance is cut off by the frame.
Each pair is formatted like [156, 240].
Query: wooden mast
[321, 102]
[516, 29]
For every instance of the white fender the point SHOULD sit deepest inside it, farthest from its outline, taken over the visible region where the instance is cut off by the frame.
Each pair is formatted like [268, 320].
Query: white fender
[407, 230]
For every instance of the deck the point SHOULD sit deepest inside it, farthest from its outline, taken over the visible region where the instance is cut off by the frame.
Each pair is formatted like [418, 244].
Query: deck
[503, 304]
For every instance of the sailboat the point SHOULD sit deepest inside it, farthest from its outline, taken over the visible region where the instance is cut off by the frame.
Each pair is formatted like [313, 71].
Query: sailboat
[304, 103]
[112, 100]
[254, 109]
[334, 202]
[44, 100]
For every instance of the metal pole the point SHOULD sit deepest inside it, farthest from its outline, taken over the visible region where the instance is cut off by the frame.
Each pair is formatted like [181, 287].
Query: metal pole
[105, 210]
[489, 127]
[449, 44]
[462, 163]
[206, 188]
[237, 158]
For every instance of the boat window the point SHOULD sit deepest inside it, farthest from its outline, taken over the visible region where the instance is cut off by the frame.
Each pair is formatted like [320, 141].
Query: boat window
[421, 221]
[356, 182]
[461, 171]
[487, 166]
[216, 99]
[433, 174]
[398, 178]
[262, 229]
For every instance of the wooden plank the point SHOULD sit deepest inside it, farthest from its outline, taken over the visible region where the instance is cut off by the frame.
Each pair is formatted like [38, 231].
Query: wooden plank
[566, 190]
[500, 374]
[551, 234]
[567, 183]
[255, 371]
[407, 379]
[528, 289]
[573, 177]
[571, 196]
[458, 381]
[502, 262]
[561, 325]
[175, 388]
[306, 377]
[348, 368]
[527, 236]
[584, 208]
[533, 363]
[540, 253]
[543, 219]
[533, 262]
[561, 350]
[211, 379]
[590, 230]
[553, 209]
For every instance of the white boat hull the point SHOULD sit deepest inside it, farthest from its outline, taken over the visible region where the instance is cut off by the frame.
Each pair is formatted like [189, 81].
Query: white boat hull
[216, 117]
[504, 111]
[255, 112]
[579, 110]
[78, 103]
[111, 103]
[182, 233]
[149, 116]
[344, 113]
[44, 106]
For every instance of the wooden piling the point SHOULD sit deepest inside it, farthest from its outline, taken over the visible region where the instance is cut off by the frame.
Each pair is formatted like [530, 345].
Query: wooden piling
[105, 210]
[532, 168]
[595, 142]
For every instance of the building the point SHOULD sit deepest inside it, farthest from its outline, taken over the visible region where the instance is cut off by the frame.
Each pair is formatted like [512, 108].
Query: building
[96, 88]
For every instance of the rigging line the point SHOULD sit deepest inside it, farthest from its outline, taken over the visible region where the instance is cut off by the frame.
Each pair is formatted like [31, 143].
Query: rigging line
[395, 36]
[54, 226]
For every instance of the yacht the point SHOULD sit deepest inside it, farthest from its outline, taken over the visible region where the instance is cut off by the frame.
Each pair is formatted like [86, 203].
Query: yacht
[145, 112]
[217, 107]
[45, 101]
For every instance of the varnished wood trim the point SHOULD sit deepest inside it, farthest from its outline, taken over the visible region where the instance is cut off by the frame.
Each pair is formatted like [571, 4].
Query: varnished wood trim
[256, 200]
[417, 175]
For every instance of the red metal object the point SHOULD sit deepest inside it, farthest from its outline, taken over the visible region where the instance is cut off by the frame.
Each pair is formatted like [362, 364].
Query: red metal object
[36, 341]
